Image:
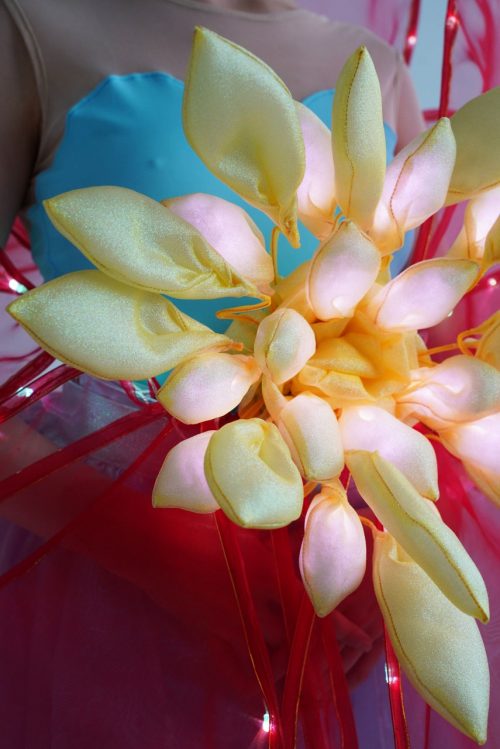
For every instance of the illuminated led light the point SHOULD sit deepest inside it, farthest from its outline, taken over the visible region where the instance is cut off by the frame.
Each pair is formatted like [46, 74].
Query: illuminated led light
[411, 40]
[25, 392]
[452, 20]
[390, 677]
[492, 281]
[266, 723]
[19, 288]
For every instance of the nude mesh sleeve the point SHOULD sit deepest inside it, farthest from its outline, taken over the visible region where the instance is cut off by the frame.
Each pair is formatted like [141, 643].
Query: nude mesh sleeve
[20, 118]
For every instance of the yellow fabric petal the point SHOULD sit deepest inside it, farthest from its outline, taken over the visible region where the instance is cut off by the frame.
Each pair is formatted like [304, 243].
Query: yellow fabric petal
[208, 386]
[241, 120]
[274, 399]
[423, 294]
[439, 647]
[229, 230]
[359, 150]
[480, 215]
[476, 443]
[415, 186]
[290, 292]
[110, 330]
[251, 474]
[333, 553]
[309, 427]
[142, 243]
[341, 355]
[315, 196]
[283, 344]
[181, 481]
[477, 134]
[338, 388]
[459, 389]
[372, 429]
[416, 525]
[341, 272]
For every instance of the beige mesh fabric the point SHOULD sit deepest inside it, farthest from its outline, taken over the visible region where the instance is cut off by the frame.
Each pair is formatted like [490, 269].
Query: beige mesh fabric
[53, 53]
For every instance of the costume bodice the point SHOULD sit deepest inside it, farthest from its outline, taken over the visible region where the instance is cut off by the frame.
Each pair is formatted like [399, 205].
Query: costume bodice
[128, 132]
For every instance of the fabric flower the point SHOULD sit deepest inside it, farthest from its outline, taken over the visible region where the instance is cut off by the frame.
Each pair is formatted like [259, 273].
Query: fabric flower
[326, 369]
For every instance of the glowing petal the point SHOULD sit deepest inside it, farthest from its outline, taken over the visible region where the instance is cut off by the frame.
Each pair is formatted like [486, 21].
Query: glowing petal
[208, 386]
[439, 647]
[310, 429]
[229, 230]
[333, 553]
[252, 476]
[142, 243]
[341, 272]
[416, 525]
[241, 120]
[372, 429]
[423, 295]
[181, 481]
[476, 131]
[283, 344]
[415, 186]
[315, 196]
[459, 389]
[476, 443]
[110, 330]
[359, 150]
[480, 215]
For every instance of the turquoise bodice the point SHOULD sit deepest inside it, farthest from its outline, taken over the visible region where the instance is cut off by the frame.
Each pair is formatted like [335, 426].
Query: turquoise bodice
[128, 132]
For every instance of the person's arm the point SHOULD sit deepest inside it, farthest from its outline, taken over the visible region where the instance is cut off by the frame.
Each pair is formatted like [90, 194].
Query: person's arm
[20, 118]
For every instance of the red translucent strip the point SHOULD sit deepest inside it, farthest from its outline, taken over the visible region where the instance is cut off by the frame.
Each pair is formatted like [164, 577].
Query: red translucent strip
[20, 234]
[60, 460]
[14, 272]
[291, 594]
[339, 686]
[36, 390]
[450, 34]
[79, 449]
[25, 375]
[257, 649]
[393, 678]
[411, 31]
[422, 247]
[295, 672]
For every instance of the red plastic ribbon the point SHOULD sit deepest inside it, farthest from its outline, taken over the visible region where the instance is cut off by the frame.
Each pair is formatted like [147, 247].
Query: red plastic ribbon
[27, 564]
[411, 31]
[257, 649]
[295, 672]
[25, 375]
[339, 686]
[393, 678]
[39, 388]
[14, 271]
[79, 449]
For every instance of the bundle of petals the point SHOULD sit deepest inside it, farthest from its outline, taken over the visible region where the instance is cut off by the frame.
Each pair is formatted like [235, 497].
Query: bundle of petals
[327, 367]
